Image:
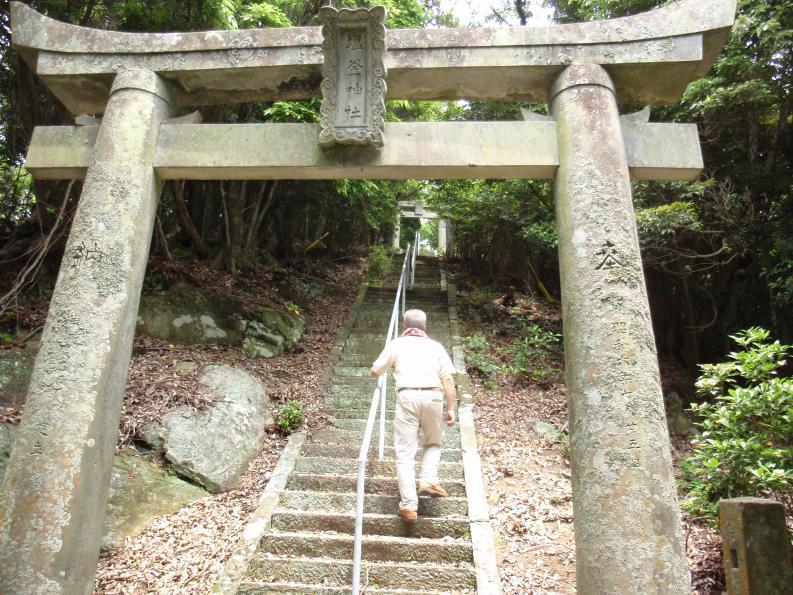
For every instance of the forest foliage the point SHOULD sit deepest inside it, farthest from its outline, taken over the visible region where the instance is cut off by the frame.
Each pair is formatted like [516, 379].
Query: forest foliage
[718, 252]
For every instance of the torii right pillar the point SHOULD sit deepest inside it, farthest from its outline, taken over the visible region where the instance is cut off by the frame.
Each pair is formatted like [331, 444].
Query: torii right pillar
[627, 521]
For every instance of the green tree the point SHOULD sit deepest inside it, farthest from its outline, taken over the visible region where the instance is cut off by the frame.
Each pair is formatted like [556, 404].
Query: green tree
[746, 446]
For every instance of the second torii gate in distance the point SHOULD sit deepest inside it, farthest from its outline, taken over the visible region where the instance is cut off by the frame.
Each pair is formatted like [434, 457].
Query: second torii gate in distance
[627, 521]
[414, 209]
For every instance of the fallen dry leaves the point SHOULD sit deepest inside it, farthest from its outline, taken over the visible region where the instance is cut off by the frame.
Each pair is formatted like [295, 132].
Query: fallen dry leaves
[184, 552]
[527, 473]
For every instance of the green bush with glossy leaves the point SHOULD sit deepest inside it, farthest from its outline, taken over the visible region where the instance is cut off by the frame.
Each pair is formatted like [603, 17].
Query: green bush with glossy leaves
[746, 445]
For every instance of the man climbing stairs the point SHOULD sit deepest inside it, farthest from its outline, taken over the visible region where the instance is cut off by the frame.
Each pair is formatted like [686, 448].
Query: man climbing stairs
[308, 546]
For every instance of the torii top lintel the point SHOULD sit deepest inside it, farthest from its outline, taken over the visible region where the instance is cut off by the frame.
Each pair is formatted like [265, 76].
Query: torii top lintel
[651, 57]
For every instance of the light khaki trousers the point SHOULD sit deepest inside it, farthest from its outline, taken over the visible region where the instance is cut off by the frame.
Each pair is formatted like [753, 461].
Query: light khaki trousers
[417, 412]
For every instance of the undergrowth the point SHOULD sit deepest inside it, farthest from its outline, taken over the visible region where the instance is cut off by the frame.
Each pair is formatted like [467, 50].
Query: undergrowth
[377, 264]
[288, 416]
[525, 349]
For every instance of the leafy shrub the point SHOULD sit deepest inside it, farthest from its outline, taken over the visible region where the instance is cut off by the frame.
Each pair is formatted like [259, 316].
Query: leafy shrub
[289, 416]
[377, 264]
[479, 358]
[746, 446]
[527, 354]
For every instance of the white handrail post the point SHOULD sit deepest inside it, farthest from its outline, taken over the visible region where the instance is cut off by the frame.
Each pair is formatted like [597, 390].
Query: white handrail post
[356, 556]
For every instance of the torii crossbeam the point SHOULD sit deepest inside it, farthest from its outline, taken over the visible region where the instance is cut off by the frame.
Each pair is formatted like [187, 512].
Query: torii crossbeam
[627, 522]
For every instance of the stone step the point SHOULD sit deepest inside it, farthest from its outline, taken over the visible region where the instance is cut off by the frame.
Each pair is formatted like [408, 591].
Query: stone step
[451, 437]
[345, 384]
[327, 571]
[365, 337]
[381, 313]
[372, 503]
[253, 588]
[353, 381]
[373, 548]
[350, 451]
[360, 425]
[355, 371]
[356, 359]
[340, 466]
[349, 413]
[373, 524]
[356, 399]
[358, 413]
[348, 483]
[386, 296]
[435, 322]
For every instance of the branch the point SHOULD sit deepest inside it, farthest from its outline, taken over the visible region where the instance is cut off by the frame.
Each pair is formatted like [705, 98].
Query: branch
[523, 14]
[499, 17]
[28, 274]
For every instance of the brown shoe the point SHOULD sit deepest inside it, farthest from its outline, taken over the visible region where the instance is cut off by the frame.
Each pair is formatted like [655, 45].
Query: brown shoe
[431, 488]
[408, 515]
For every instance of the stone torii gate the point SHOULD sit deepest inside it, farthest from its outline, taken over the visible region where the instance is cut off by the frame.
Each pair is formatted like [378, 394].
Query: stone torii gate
[415, 210]
[627, 526]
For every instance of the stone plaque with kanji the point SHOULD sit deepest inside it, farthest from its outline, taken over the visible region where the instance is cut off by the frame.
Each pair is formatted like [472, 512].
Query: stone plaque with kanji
[353, 76]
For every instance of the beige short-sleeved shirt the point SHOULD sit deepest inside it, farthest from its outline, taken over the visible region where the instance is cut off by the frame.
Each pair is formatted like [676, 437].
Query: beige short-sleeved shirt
[418, 362]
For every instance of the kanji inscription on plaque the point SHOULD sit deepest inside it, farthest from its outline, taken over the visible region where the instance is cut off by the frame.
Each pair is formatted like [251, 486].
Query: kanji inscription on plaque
[353, 76]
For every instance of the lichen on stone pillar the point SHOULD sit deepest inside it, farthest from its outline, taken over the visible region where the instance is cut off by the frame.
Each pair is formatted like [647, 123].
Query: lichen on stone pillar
[55, 488]
[627, 521]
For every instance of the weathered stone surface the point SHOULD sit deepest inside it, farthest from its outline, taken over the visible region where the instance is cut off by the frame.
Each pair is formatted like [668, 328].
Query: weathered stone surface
[7, 434]
[16, 367]
[215, 446]
[188, 314]
[627, 521]
[141, 489]
[676, 418]
[651, 56]
[438, 150]
[353, 76]
[756, 547]
[55, 488]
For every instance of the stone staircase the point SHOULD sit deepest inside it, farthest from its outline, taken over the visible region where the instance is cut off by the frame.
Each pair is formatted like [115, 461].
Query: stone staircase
[308, 544]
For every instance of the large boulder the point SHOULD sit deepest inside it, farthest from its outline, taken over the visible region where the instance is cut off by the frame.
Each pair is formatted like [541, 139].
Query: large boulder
[16, 367]
[188, 314]
[214, 447]
[142, 489]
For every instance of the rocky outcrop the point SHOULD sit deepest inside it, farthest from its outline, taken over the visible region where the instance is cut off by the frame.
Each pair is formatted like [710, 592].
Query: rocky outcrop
[214, 447]
[142, 489]
[188, 314]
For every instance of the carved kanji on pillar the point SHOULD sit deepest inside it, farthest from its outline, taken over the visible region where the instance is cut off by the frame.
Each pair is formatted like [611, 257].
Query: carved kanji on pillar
[353, 76]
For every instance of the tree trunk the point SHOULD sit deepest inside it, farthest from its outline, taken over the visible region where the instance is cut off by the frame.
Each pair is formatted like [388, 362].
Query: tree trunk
[187, 221]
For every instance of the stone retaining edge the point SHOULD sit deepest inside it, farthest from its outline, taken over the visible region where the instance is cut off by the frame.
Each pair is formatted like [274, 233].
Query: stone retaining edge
[482, 538]
[236, 567]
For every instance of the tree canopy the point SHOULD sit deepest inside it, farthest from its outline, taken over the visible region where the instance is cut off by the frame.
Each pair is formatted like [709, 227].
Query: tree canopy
[718, 253]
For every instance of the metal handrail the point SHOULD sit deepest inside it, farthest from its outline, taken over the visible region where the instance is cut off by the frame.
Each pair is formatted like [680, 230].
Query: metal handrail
[379, 397]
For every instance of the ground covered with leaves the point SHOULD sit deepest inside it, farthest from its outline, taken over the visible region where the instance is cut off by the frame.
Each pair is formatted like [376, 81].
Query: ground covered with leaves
[185, 552]
[515, 359]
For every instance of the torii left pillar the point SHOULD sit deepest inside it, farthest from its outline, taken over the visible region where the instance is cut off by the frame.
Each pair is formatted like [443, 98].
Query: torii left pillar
[52, 502]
